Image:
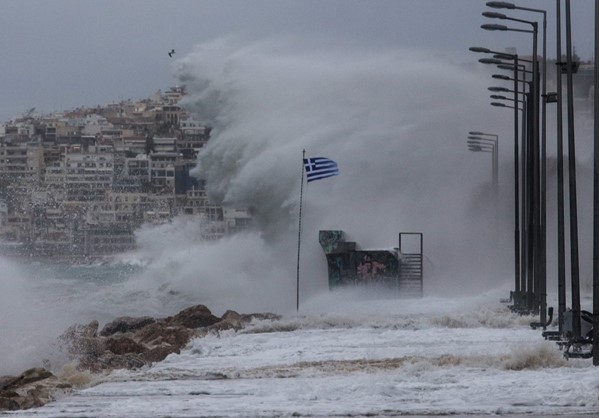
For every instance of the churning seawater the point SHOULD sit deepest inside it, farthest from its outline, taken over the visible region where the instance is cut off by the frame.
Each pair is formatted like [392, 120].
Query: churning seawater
[40, 298]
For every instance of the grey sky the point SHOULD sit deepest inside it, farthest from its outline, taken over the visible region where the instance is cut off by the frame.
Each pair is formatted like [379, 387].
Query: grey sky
[62, 54]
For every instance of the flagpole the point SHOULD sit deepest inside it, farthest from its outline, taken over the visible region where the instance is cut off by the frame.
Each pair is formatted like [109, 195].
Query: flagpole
[299, 234]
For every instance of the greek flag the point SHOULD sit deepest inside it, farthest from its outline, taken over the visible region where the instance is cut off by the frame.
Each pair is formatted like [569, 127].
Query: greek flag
[319, 168]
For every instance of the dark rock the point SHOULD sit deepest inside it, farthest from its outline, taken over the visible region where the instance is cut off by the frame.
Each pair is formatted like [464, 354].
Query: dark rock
[197, 316]
[33, 398]
[110, 361]
[123, 361]
[231, 315]
[159, 353]
[29, 376]
[81, 340]
[90, 330]
[131, 342]
[161, 333]
[8, 404]
[123, 345]
[141, 340]
[5, 381]
[33, 388]
[126, 324]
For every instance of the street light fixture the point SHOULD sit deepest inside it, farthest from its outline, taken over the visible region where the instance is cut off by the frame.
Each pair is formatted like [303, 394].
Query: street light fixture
[501, 5]
[491, 145]
[500, 97]
[479, 148]
[478, 133]
[501, 89]
[513, 67]
[504, 56]
[492, 26]
[489, 51]
[481, 142]
[499, 104]
[518, 254]
[501, 77]
[508, 78]
[542, 266]
[488, 148]
[535, 269]
[493, 15]
[480, 49]
[574, 262]
[490, 61]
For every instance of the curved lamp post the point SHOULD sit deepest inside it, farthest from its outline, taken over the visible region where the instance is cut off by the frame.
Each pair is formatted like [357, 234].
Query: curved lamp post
[534, 252]
[519, 272]
[542, 265]
[476, 138]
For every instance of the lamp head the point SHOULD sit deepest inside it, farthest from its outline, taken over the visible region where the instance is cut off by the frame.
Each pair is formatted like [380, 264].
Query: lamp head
[478, 148]
[493, 15]
[479, 49]
[498, 89]
[490, 61]
[493, 27]
[501, 5]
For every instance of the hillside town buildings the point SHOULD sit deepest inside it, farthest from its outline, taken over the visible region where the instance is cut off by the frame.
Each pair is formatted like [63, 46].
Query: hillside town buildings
[81, 182]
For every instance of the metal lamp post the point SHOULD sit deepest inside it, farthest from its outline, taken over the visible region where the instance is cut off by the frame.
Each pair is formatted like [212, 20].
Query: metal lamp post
[542, 262]
[543, 157]
[518, 257]
[526, 265]
[479, 143]
[575, 273]
[534, 252]
[596, 200]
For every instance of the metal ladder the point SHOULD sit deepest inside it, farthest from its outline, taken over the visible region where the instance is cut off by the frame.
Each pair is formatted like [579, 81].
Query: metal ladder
[410, 269]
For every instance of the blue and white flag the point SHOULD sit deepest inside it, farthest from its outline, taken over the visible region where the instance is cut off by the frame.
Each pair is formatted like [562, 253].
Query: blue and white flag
[319, 168]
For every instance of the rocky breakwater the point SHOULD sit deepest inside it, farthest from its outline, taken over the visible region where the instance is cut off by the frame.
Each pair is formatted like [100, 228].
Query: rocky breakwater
[124, 343]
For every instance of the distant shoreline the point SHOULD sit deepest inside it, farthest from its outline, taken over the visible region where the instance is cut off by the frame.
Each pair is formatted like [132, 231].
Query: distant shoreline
[62, 259]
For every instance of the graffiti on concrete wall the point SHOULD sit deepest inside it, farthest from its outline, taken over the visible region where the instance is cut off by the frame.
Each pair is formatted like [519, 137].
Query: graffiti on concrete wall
[350, 266]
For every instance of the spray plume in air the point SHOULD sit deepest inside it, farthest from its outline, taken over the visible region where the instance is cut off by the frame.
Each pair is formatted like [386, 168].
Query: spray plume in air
[396, 122]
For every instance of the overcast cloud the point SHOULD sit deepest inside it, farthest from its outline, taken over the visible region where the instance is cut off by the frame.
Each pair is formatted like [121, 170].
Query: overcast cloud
[62, 54]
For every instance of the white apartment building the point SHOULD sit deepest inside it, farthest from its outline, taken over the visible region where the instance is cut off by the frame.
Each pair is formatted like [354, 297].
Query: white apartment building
[236, 219]
[94, 124]
[21, 160]
[83, 176]
[194, 136]
[118, 208]
[198, 204]
[162, 170]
